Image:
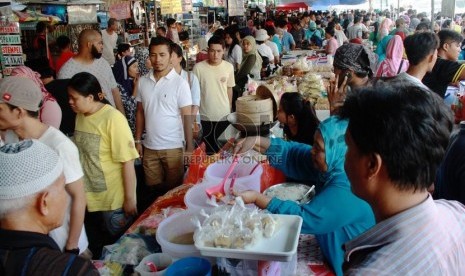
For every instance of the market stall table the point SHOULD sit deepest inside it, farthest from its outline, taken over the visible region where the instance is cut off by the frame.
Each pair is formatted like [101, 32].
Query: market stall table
[308, 252]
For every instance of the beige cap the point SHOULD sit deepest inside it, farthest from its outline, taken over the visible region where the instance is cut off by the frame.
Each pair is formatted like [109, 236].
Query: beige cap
[20, 92]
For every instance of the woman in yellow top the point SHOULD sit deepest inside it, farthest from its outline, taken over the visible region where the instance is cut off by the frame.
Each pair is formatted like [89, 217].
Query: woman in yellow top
[107, 153]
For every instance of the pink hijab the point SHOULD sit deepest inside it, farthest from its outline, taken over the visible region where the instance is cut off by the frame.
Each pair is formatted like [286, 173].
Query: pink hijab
[50, 111]
[384, 28]
[393, 64]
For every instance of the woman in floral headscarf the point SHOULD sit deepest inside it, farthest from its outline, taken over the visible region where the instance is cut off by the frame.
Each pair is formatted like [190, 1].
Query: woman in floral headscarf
[335, 215]
[126, 72]
[50, 111]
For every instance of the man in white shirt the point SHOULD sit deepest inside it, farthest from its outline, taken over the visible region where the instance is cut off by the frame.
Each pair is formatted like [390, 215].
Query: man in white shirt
[20, 99]
[356, 30]
[271, 31]
[89, 60]
[109, 37]
[261, 36]
[164, 112]
[216, 77]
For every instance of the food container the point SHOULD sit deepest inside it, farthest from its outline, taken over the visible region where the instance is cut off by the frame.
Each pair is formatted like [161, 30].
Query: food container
[175, 226]
[253, 110]
[192, 266]
[291, 191]
[161, 260]
[196, 197]
[248, 173]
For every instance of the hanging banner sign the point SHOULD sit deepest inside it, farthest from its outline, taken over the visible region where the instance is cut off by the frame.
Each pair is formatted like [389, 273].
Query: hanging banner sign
[13, 60]
[10, 39]
[120, 11]
[236, 8]
[170, 6]
[186, 6]
[12, 50]
[9, 29]
[80, 14]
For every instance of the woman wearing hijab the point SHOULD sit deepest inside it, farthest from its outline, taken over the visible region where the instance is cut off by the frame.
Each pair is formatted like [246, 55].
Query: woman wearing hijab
[251, 59]
[50, 111]
[335, 215]
[126, 72]
[251, 65]
[384, 28]
[141, 54]
[394, 63]
[381, 49]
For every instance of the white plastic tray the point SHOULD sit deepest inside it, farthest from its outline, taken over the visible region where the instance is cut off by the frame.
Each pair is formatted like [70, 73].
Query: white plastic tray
[280, 247]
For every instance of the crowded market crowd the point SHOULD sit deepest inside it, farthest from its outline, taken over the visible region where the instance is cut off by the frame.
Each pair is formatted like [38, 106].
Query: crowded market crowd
[91, 139]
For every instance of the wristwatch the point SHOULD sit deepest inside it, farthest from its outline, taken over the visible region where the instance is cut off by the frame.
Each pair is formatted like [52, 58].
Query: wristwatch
[74, 251]
[137, 141]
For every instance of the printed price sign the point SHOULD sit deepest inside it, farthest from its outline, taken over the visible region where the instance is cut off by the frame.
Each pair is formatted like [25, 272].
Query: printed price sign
[13, 29]
[12, 50]
[10, 39]
[13, 60]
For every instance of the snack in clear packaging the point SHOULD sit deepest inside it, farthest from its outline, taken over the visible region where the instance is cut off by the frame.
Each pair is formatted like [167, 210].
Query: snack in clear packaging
[235, 226]
[243, 239]
[269, 226]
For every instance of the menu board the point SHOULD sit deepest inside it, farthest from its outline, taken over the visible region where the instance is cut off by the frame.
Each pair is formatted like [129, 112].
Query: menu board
[170, 6]
[10, 44]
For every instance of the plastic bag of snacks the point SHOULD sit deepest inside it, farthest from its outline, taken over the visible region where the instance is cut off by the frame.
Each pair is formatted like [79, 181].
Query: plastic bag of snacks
[197, 165]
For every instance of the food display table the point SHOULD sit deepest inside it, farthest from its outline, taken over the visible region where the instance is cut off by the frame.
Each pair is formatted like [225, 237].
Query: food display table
[139, 240]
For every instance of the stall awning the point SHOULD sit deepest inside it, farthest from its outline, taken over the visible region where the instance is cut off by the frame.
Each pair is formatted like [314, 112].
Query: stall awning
[292, 6]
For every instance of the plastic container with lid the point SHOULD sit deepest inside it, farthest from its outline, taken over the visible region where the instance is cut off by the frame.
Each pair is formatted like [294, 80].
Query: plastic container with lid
[248, 173]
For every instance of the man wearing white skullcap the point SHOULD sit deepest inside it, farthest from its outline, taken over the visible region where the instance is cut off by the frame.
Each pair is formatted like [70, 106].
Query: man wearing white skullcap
[20, 100]
[32, 196]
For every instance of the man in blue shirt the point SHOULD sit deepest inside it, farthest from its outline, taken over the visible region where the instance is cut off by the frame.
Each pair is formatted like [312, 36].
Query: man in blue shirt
[287, 41]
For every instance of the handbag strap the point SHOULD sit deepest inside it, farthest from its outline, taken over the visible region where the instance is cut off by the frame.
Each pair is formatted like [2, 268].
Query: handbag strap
[400, 67]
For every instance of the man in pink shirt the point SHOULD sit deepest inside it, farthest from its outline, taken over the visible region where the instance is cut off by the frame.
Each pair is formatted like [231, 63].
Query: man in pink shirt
[331, 42]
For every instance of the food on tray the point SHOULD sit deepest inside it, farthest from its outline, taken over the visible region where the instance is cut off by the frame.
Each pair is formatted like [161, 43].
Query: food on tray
[235, 227]
[289, 191]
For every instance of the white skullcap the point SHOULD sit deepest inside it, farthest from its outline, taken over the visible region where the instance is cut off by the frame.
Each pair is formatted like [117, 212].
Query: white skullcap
[27, 167]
